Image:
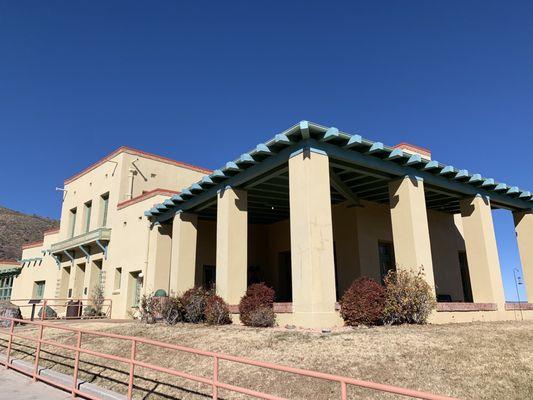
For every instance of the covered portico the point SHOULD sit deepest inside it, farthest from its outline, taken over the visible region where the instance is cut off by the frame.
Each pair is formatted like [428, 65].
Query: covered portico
[314, 208]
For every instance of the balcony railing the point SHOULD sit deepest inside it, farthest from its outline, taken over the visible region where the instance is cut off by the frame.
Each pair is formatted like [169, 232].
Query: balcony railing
[93, 237]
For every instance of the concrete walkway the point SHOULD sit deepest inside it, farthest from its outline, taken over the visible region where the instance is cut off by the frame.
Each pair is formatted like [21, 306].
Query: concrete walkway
[16, 386]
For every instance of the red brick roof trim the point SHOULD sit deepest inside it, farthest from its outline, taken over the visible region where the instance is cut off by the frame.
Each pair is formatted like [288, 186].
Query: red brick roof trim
[140, 153]
[417, 149]
[51, 231]
[9, 262]
[146, 195]
[33, 244]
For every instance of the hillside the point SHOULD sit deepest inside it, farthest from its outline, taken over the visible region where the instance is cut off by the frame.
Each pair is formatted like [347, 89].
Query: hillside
[17, 228]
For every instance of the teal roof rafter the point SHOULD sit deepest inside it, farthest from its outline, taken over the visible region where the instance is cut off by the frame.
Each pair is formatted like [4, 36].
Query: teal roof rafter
[342, 147]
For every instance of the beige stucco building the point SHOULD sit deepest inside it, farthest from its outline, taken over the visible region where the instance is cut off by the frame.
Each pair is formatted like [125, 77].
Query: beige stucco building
[306, 212]
[102, 238]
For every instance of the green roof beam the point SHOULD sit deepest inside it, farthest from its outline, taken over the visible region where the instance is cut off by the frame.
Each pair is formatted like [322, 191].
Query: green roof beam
[304, 129]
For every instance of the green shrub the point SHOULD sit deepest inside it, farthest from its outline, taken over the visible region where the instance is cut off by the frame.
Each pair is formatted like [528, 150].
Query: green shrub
[217, 311]
[363, 303]
[258, 296]
[409, 298]
[194, 301]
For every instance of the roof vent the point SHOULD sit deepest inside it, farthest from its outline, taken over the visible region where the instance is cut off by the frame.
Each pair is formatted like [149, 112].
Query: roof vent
[412, 149]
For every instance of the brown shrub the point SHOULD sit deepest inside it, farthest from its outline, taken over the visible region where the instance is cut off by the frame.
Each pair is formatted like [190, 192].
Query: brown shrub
[409, 298]
[172, 310]
[194, 301]
[217, 311]
[148, 308]
[363, 303]
[258, 295]
[263, 317]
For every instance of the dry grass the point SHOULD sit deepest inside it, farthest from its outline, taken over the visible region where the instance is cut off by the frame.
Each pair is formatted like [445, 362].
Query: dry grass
[469, 361]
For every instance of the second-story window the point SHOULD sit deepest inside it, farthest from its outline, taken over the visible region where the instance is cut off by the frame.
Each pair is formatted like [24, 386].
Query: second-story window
[72, 222]
[88, 209]
[105, 205]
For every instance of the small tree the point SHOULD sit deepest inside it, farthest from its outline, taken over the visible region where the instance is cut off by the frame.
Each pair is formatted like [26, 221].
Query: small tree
[409, 298]
[97, 298]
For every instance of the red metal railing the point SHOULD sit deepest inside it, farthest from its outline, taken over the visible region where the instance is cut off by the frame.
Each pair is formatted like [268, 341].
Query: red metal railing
[214, 382]
[64, 308]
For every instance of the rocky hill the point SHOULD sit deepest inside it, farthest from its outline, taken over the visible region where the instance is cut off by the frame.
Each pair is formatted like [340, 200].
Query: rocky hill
[17, 228]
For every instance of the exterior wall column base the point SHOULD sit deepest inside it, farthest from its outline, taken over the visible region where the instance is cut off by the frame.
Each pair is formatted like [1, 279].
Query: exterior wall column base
[317, 319]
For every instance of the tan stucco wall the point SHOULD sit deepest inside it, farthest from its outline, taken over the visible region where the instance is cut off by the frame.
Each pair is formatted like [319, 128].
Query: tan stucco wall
[128, 248]
[150, 174]
[23, 285]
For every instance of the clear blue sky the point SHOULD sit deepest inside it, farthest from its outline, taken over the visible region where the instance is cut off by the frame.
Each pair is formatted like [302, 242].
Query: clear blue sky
[203, 82]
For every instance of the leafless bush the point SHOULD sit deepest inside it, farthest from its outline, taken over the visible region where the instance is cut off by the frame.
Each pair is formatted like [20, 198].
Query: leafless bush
[409, 298]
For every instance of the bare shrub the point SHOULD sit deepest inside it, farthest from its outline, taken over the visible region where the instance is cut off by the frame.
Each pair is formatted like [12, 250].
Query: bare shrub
[217, 311]
[409, 298]
[172, 310]
[148, 308]
[363, 303]
[258, 296]
[263, 317]
[194, 301]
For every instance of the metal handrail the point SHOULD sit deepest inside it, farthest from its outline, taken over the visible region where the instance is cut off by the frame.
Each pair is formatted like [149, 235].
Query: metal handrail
[82, 302]
[213, 382]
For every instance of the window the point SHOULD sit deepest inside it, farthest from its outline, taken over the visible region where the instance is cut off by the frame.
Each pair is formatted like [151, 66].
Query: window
[6, 285]
[104, 202]
[465, 277]
[88, 210]
[386, 258]
[72, 222]
[38, 289]
[118, 277]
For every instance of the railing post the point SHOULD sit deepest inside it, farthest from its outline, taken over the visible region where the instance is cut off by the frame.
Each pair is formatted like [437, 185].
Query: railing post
[215, 378]
[343, 391]
[132, 368]
[43, 310]
[11, 328]
[76, 366]
[37, 353]
[110, 307]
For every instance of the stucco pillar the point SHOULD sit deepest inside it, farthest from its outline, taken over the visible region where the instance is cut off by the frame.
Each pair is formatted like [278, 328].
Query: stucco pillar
[157, 274]
[410, 230]
[183, 261]
[523, 222]
[481, 250]
[232, 245]
[312, 261]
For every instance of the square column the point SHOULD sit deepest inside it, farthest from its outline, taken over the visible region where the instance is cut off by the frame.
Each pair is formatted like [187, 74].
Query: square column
[183, 261]
[312, 261]
[232, 244]
[410, 230]
[523, 222]
[481, 250]
[157, 273]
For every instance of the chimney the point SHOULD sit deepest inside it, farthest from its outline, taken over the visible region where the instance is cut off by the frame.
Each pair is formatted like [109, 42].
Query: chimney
[412, 149]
